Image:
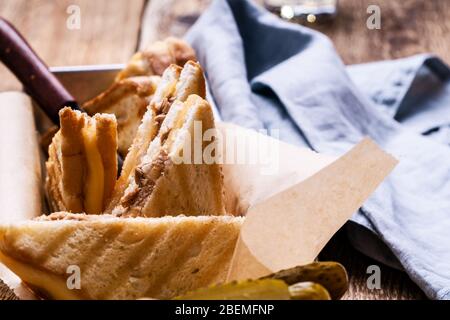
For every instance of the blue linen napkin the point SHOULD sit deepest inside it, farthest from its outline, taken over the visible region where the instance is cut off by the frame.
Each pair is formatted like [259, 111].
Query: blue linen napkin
[267, 73]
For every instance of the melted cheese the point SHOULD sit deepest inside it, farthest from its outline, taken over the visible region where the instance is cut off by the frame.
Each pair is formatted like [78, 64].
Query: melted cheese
[95, 178]
[51, 284]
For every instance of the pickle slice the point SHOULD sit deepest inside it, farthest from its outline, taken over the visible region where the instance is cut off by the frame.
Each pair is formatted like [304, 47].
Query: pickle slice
[263, 289]
[308, 291]
[331, 275]
[267, 289]
[314, 281]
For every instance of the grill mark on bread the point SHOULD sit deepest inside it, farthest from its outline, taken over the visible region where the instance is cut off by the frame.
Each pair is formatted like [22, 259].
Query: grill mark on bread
[97, 251]
[54, 245]
[214, 270]
[222, 259]
[98, 247]
[135, 258]
[145, 262]
[180, 259]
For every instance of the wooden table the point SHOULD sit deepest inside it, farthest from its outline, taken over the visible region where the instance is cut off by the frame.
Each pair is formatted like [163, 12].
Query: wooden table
[111, 30]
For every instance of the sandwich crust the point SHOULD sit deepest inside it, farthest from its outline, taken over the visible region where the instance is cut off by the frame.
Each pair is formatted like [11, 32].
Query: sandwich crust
[157, 57]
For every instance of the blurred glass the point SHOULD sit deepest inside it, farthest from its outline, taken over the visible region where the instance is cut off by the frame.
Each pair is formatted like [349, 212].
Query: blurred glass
[304, 11]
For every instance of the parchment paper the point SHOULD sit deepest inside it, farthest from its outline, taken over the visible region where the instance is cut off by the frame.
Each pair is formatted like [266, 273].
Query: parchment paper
[20, 170]
[291, 227]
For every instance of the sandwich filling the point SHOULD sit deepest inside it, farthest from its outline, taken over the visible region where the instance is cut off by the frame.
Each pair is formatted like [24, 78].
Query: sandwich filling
[152, 165]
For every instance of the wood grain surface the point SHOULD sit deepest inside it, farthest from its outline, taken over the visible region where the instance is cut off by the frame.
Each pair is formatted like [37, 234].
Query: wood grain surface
[163, 18]
[6, 293]
[110, 32]
[407, 27]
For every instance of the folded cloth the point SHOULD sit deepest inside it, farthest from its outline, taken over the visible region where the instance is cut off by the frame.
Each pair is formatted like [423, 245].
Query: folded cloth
[265, 73]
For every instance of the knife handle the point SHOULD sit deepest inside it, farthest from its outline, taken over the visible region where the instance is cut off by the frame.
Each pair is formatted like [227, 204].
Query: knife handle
[32, 72]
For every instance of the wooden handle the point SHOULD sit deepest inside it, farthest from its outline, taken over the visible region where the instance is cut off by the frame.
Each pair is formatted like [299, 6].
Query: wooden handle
[34, 74]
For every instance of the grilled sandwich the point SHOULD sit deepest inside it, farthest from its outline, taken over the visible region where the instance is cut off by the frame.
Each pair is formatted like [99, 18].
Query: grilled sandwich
[82, 163]
[154, 181]
[167, 181]
[119, 258]
[157, 57]
[127, 99]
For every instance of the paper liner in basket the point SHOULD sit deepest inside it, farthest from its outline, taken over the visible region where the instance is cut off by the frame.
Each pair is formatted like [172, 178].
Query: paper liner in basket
[290, 216]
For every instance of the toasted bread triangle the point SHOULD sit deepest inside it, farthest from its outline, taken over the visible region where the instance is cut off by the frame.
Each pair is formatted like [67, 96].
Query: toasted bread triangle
[119, 258]
[170, 180]
[176, 86]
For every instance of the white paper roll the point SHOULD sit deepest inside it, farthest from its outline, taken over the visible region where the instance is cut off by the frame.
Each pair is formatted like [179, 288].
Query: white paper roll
[20, 168]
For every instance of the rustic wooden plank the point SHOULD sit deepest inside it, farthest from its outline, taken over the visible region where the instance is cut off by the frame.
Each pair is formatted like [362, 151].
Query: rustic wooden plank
[107, 34]
[163, 18]
[6, 293]
[407, 27]
[394, 283]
